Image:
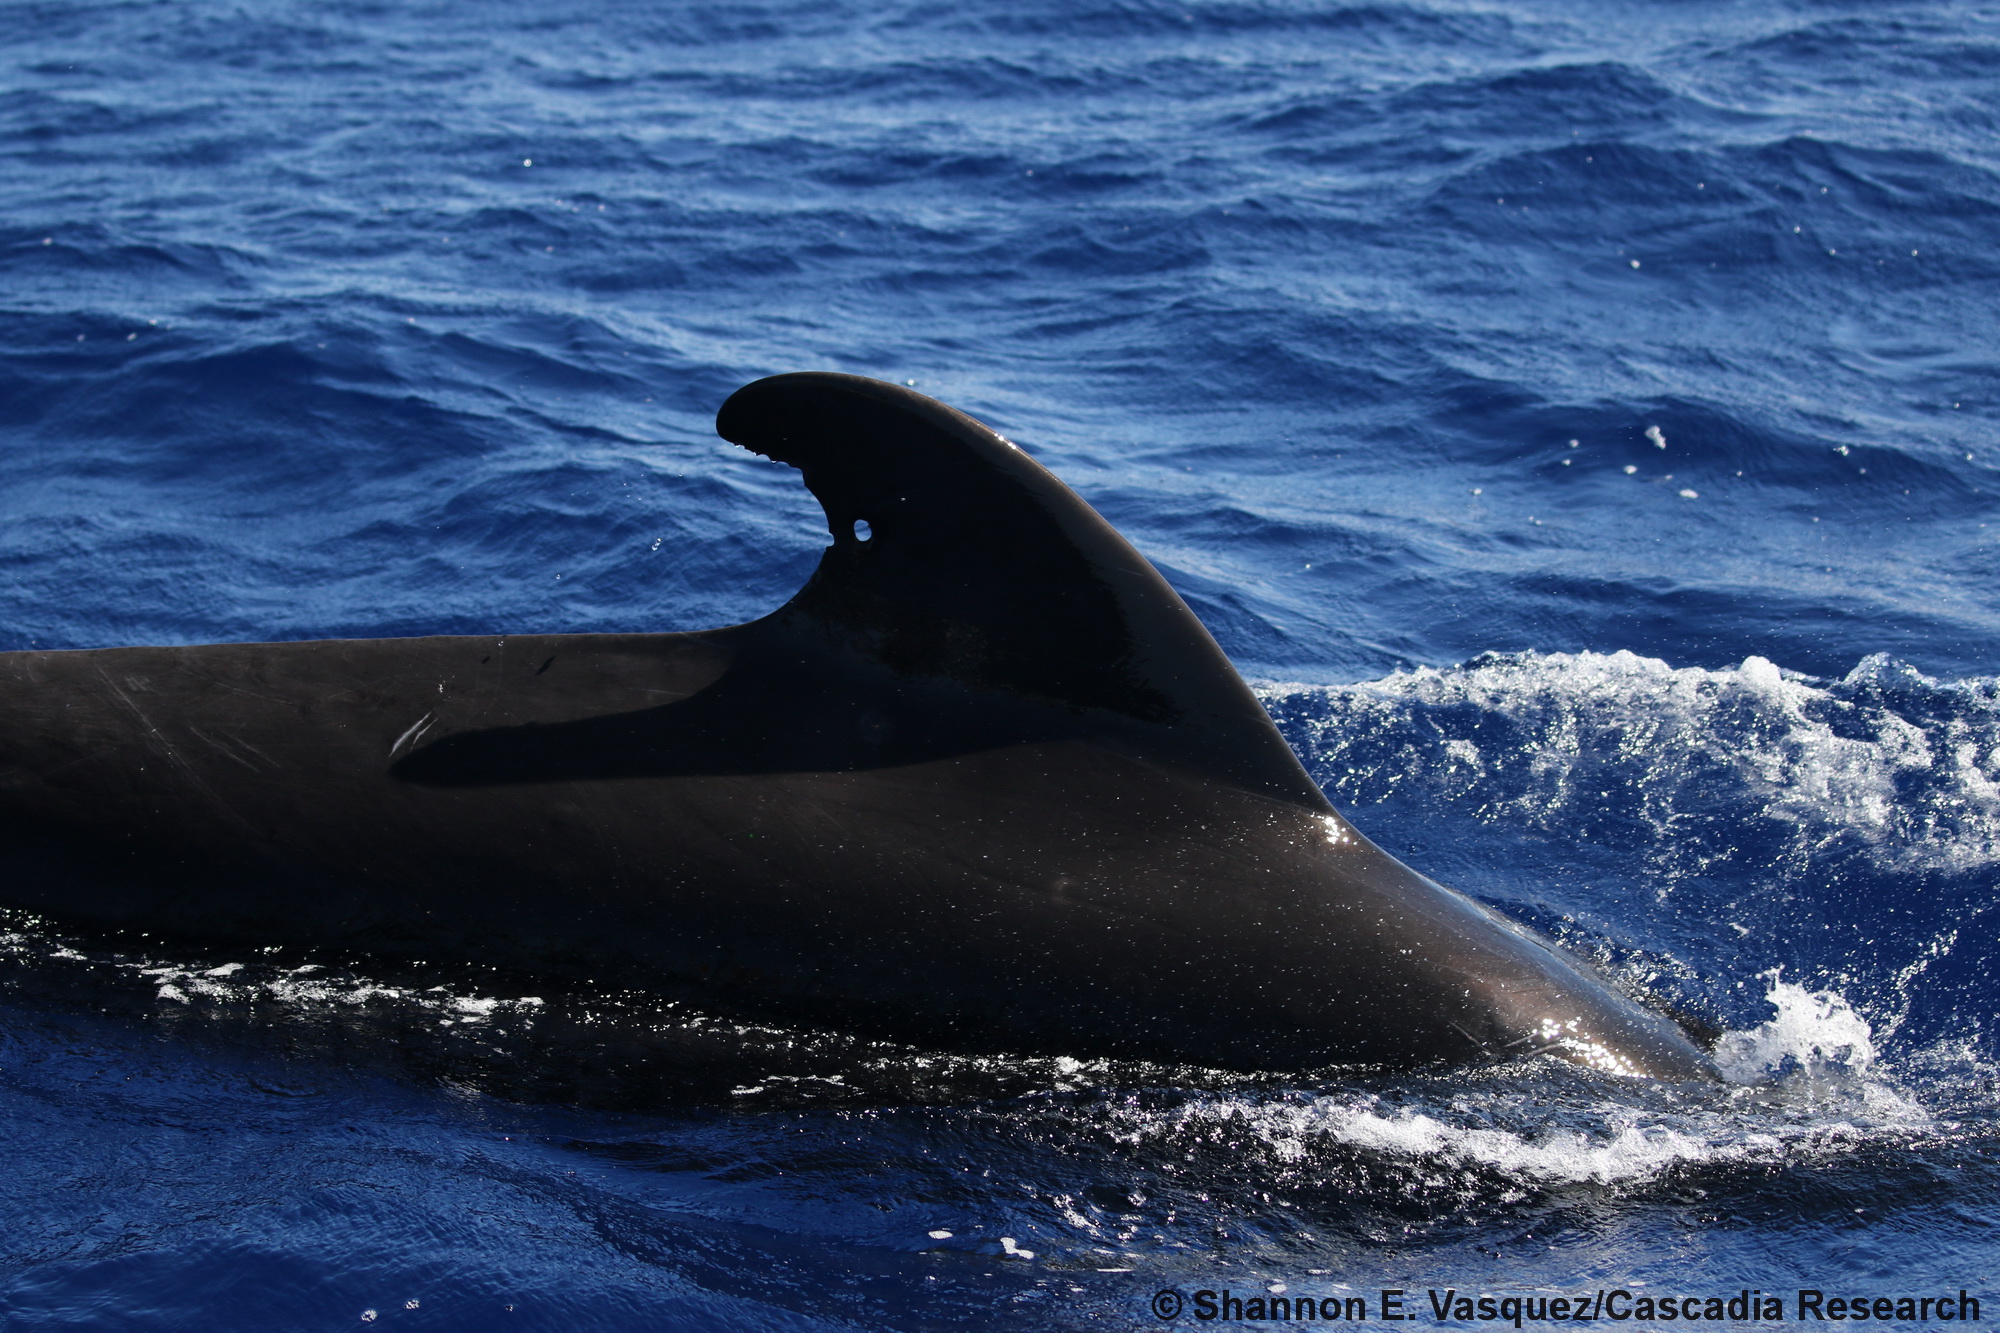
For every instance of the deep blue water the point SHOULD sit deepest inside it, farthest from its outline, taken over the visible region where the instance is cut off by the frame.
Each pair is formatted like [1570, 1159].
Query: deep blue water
[1579, 417]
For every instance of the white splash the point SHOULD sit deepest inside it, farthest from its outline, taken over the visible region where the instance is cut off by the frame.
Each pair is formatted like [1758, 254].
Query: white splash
[1800, 1086]
[1901, 765]
[1815, 1033]
[303, 989]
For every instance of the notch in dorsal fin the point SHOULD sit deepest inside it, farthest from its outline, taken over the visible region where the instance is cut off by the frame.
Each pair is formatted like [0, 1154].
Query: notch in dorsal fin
[980, 567]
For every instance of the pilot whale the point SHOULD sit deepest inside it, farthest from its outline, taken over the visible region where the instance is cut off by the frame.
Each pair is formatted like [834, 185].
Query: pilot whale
[985, 780]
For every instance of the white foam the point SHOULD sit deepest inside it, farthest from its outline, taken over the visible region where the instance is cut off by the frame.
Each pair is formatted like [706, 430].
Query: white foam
[1607, 1145]
[1540, 738]
[1805, 1083]
[304, 989]
[1815, 1032]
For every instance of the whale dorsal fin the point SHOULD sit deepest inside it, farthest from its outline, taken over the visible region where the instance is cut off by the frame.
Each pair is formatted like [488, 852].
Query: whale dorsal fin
[980, 567]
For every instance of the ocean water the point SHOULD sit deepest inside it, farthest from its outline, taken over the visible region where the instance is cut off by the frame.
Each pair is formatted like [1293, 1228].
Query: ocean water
[1578, 418]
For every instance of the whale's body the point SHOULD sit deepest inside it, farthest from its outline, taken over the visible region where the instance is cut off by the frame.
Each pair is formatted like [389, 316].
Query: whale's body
[985, 780]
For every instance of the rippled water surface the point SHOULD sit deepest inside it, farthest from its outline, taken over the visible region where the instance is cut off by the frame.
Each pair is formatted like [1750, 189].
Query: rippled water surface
[1578, 417]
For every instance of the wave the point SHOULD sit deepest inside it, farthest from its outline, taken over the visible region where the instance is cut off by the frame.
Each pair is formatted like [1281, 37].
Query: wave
[1903, 768]
[1846, 829]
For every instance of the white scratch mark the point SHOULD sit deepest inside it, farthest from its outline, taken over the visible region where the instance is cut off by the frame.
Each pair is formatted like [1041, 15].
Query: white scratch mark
[415, 733]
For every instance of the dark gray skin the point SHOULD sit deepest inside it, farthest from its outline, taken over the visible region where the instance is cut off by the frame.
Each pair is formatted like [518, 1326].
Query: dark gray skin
[986, 781]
